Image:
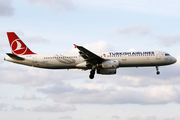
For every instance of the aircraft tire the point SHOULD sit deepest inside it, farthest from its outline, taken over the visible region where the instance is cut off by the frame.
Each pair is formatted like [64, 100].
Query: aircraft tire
[91, 76]
[157, 72]
[92, 73]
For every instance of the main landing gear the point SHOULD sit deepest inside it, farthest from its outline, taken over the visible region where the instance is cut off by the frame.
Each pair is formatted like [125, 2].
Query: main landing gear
[157, 69]
[92, 73]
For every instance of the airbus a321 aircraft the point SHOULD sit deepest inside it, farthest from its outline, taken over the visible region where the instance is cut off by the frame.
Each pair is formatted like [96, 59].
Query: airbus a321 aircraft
[103, 63]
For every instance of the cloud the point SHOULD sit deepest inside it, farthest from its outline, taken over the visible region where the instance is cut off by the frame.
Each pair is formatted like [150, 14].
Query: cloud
[30, 96]
[56, 4]
[143, 77]
[58, 89]
[3, 106]
[115, 95]
[14, 108]
[28, 76]
[101, 46]
[92, 86]
[3, 42]
[21, 76]
[54, 108]
[115, 117]
[3, 45]
[137, 30]
[140, 117]
[143, 30]
[168, 40]
[6, 9]
[170, 7]
[175, 118]
[37, 39]
[65, 117]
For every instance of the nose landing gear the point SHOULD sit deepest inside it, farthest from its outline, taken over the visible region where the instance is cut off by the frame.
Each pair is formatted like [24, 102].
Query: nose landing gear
[157, 69]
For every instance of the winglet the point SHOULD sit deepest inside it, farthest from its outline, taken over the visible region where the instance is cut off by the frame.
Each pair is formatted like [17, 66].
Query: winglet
[75, 45]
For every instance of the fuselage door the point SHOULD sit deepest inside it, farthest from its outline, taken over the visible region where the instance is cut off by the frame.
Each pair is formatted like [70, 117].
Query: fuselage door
[158, 56]
[34, 57]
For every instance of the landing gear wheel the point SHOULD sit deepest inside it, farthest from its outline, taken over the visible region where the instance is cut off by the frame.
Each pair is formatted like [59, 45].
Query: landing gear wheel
[91, 76]
[157, 72]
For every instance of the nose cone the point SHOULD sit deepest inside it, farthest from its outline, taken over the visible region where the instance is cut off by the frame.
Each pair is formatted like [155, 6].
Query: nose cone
[174, 60]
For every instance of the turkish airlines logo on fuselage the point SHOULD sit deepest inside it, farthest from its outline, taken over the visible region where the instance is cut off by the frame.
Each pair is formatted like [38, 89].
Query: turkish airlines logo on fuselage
[18, 47]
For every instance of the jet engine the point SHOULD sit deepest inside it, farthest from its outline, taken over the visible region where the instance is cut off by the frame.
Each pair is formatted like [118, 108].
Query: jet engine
[106, 71]
[110, 64]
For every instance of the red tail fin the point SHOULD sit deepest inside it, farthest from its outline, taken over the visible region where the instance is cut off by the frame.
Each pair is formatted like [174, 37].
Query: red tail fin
[17, 46]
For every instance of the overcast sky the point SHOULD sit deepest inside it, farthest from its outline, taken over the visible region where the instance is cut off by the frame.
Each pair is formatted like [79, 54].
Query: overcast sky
[53, 26]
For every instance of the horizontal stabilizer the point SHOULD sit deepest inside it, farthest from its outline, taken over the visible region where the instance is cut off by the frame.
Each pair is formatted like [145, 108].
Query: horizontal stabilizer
[15, 57]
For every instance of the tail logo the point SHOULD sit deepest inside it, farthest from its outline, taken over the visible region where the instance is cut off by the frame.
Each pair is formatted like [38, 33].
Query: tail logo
[18, 48]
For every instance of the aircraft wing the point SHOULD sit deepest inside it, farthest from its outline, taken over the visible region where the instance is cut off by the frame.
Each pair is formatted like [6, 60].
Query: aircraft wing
[89, 56]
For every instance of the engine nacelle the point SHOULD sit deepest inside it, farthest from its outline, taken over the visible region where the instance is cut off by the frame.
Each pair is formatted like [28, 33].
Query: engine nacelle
[106, 71]
[110, 64]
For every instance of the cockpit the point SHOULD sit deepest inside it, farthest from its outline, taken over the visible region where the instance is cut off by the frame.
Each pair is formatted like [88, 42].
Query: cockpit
[166, 54]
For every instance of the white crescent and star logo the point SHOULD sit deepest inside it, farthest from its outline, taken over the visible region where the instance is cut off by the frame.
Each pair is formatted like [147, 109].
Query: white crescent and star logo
[18, 48]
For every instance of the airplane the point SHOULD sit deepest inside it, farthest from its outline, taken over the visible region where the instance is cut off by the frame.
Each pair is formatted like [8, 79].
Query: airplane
[103, 63]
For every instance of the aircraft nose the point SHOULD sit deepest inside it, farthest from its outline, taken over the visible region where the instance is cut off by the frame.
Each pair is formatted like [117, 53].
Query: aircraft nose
[174, 60]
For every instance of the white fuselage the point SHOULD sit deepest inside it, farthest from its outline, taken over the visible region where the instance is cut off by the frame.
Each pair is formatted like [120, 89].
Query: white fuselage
[75, 61]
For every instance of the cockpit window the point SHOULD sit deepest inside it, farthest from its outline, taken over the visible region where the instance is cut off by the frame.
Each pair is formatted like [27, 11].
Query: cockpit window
[167, 54]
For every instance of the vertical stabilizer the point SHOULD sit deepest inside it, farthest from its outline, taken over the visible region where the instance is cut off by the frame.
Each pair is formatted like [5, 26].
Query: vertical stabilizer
[17, 45]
